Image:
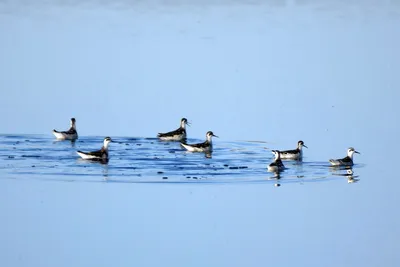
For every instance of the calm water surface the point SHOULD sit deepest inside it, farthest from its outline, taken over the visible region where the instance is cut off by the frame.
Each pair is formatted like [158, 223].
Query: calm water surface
[150, 160]
[274, 71]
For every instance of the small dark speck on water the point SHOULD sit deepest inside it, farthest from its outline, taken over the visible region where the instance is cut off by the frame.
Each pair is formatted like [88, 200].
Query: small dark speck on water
[194, 177]
[160, 172]
[165, 177]
[188, 177]
[33, 166]
[138, 144]
[11, 157]
[277, 185]
[243, 167]
[233, 168]
[226, 165]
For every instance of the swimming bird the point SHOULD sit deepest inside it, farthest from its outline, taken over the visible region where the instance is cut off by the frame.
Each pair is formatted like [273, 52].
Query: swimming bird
[177, 135]
[346, 161]
[296, 154]
[201, 147]
[277, 165]
[71, 134]
[101, 154]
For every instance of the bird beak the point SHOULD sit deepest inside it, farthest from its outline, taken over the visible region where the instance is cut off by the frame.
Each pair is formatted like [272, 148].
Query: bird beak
[188, 123]
[305, 146]
[357, 152]
[215, 136]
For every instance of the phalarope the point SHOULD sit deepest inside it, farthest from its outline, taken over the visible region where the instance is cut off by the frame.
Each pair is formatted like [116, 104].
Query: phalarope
[71, 134]
[201, 147]
[177, 135]
[346, 161]
[101, 154]
[295, 153]
[277, 165]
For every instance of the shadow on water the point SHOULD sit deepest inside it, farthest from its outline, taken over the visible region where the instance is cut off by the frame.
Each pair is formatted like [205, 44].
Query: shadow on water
[148, 160]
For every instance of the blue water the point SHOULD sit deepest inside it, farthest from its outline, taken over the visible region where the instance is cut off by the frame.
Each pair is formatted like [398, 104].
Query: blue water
[136, 160]
[260, 74]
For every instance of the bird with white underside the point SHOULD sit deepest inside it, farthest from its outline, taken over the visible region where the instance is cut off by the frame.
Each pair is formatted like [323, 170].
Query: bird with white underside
[206, 146]
[101, 154]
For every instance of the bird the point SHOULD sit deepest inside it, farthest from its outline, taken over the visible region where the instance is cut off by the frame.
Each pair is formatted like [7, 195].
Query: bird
[177, 135]
[201, 147]
[346, 161]
[276, 165]
[295, 154]
[101, 154]
[71, 134]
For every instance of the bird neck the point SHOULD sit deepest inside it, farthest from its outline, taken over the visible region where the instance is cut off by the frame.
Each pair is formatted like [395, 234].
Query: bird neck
[183, 125]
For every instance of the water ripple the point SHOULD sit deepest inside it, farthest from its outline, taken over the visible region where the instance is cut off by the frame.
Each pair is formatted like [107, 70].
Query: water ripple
[147, 160]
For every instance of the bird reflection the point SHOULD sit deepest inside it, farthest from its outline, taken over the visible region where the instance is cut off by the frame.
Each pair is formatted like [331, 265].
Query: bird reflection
[208, 155]
[276, 176]
[349, 174]
[72, 142]
[105, 172]
[351, 177]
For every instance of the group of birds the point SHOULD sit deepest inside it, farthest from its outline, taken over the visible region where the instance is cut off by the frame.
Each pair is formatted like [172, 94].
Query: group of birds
[207, 146]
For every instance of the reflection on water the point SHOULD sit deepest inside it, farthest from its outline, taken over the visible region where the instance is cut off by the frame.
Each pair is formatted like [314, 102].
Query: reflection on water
[346, 172]
[149, 160]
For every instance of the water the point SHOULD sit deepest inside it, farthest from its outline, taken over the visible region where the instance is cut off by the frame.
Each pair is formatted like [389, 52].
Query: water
[135, 160]
[259, 74]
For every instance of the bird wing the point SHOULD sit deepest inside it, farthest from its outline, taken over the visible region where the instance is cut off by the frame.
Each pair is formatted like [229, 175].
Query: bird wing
[293, 151]
[98, 153]
[200, 145]
[172, 133]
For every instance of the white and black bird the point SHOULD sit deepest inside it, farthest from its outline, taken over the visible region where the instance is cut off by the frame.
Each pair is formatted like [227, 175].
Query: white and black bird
[101, 154]
[276, 165]
[346, 161]
[206, 146]
[177, 135]
[71, 134]
[296, 154]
